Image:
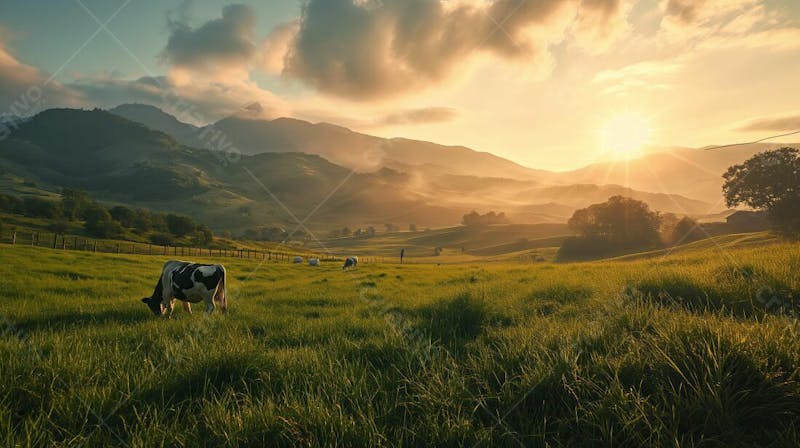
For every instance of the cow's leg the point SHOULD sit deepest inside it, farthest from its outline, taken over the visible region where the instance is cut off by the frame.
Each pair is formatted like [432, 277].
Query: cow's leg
[210, 305]
[170, 308]
[187, 307]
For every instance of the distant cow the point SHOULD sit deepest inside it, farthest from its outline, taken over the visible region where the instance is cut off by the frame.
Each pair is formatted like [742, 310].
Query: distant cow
[189, 283]
[350, 263]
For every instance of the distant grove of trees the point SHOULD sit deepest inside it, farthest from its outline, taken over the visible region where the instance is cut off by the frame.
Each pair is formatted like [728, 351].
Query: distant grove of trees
[619, 224]
[475, 219]
[102, 222]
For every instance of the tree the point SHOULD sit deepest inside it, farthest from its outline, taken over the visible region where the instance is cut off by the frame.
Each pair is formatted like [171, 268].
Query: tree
[74, 203]
[346, 232]
[99, 223]
[204, 234]
[615, 226]
[474, 219]
[619, 220]
[124, 216]
[179, 225]
[142, 222]
[768, 181]
[41, 208]
[685, 230]
[11, 204]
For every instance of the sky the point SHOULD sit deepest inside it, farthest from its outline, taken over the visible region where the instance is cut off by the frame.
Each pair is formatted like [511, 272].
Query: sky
[550, 84]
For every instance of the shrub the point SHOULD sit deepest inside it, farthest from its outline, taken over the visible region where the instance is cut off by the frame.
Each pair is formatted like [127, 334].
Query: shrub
[584, 248]
[59, 227]
[162, 239]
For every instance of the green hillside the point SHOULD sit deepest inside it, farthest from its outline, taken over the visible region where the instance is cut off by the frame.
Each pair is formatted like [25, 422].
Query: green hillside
[117, 160]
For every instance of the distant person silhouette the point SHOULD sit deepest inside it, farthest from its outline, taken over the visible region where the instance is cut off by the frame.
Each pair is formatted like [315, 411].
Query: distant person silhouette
[402, 255]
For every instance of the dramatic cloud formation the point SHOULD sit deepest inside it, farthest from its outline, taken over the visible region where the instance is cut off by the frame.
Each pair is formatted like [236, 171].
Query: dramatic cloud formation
[220, 46]
[786, 123]
[371, 49]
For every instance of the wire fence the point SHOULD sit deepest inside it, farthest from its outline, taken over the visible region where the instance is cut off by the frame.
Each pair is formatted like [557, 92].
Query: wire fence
[84, 244]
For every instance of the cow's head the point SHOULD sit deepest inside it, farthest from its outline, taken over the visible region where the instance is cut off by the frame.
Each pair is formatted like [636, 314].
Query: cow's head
[154, 304]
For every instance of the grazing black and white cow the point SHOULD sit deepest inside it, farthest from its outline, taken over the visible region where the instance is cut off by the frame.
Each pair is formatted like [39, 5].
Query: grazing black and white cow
[189, 283]
[350, 262]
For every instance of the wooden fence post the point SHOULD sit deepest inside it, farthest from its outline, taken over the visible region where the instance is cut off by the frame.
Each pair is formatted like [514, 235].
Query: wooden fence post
[95, 246]
[55, 240]
[117, 247]
[63, 242]
[13, 238]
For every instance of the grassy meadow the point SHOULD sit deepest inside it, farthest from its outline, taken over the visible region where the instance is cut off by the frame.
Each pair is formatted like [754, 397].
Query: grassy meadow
[696, 348]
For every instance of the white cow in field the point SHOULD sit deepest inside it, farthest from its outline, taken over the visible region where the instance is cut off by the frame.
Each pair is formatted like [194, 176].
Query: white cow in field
[189, 283]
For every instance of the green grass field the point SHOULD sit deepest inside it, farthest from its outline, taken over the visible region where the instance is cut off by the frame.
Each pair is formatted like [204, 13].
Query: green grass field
[699, 348]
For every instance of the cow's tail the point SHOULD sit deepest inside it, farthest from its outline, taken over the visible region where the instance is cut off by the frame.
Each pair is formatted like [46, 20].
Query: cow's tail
[219, 295]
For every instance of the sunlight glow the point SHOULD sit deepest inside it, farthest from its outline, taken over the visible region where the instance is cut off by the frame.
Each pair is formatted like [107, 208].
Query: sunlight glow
[625, 135]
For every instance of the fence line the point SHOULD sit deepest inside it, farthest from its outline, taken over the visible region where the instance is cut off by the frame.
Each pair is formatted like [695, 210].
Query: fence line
[83, 244]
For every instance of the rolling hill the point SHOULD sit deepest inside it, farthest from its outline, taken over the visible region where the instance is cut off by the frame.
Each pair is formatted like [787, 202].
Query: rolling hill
[122, 161]
[337, 144]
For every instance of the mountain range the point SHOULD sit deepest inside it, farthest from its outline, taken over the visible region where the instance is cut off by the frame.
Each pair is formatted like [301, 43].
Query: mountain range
[142, 156]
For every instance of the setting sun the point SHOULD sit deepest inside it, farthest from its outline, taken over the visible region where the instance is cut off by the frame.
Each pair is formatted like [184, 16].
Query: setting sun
[624, 135]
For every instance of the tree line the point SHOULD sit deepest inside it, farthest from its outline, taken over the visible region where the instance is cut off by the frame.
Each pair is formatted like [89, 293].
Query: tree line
[768, 182]
[76, 206]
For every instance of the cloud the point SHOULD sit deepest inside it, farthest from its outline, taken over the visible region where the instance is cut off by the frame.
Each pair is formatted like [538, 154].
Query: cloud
[786, 123]
[24, 90]
[700, 12]
[600, 23]
[372, 49]
[651, 75]
[199, 102]
[221, 47]
[425, 115]
[276, 46]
